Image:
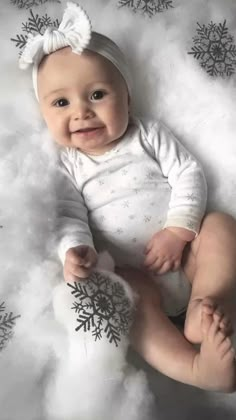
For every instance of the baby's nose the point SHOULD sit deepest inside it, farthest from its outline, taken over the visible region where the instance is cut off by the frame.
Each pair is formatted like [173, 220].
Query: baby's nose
[82, 111]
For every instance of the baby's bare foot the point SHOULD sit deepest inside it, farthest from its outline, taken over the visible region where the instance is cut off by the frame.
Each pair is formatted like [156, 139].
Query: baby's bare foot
[208, 307]
[214, 367]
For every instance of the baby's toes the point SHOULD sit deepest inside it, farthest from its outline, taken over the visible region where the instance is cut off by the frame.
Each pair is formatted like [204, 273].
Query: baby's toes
[224, 321]
[226, 325]
[208, 305]
[218, 314]
[225, 347]
[219, 338]
[206, 324]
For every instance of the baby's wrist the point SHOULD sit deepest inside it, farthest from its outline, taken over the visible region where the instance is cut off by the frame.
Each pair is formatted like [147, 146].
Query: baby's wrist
[182, 233]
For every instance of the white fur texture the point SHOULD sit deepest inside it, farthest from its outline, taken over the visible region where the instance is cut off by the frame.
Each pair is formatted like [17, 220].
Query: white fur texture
[93, 378]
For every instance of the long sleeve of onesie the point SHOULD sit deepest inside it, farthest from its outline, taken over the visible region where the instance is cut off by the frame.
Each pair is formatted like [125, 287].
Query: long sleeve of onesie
[185, 176]
[72, 214]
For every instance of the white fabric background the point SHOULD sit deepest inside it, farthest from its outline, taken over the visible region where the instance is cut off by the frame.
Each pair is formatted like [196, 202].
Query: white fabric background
[168, 83]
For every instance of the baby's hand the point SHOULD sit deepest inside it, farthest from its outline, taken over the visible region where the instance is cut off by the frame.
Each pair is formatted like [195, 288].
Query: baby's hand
[164, 252]
[79, 263]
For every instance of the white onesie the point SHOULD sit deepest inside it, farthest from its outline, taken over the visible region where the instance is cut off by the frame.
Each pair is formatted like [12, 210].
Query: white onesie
[118, 200]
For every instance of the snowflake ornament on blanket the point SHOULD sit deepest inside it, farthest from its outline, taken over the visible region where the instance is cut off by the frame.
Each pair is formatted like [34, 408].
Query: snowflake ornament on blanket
[147, 7]
[102, 307]
[214, 49]
[21, 4]
[7, 322]
[34, 25]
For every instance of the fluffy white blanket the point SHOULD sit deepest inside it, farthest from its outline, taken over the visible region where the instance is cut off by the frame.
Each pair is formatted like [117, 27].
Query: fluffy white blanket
[183, 59]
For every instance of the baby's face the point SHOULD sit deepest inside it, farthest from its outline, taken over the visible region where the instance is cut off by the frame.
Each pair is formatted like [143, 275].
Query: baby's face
[83, 99]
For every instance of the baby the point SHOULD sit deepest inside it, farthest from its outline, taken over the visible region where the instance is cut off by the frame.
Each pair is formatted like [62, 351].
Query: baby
[127, 185]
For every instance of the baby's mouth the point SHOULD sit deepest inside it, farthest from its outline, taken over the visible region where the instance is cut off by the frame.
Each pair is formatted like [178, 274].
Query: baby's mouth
[87, 130]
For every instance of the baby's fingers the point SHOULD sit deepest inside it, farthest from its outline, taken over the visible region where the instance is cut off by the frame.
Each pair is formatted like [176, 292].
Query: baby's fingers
[176, 265]
[72, 257]
[78, 270]
[75, 272]
[148, 247]
[90, 260]
[156, 264]
[84, 273]
[76, 275]
[164, 268]
[150, 258]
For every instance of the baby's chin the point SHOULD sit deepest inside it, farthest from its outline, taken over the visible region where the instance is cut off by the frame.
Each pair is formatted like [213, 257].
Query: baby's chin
[83, 145]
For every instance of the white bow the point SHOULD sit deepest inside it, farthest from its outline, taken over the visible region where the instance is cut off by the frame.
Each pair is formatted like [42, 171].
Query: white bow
[74, 31]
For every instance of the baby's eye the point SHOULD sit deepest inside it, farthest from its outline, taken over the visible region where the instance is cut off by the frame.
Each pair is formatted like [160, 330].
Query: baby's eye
[97, 95]
[61, 102]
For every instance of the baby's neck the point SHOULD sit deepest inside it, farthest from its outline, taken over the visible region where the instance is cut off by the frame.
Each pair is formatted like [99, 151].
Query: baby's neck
[103, 150]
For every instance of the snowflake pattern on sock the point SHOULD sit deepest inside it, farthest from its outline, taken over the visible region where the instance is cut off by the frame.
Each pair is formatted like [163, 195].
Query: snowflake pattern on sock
[35, 24]
[214, 48]
[147, 7]
[7, 322]
[102, 307]
[21, 4]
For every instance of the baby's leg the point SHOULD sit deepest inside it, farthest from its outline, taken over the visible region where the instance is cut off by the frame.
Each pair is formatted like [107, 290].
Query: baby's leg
[210, 265]
[162, 345]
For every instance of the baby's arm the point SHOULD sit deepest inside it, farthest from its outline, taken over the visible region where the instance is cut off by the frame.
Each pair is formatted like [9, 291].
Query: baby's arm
[75, 243]
[187, 201]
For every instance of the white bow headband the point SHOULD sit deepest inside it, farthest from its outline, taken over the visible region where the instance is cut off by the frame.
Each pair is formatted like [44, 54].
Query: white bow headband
[75, 31]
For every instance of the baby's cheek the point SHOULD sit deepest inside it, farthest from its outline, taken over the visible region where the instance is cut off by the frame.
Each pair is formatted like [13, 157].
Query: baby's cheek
[120, 123]
[57, 131]
[49, 124]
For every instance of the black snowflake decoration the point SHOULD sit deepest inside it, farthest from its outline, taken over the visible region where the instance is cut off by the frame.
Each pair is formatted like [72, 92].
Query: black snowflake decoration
[215, 50]
[7, 322]
[21, 4]
[147, 7]
[102, 307]
[35, 25]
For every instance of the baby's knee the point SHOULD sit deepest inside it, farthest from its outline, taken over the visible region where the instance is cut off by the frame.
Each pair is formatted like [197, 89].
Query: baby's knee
[217, 221]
